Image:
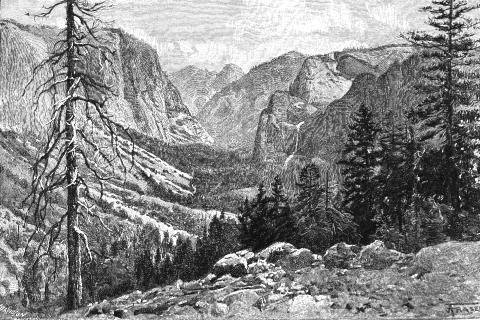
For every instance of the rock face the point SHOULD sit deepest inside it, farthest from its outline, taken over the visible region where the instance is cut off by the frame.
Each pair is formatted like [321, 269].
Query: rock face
[246, 296]
[307, 306]
[333, 87]
[388, 96]
[299, 259]
[341, 255]
[276, 251]
[231, 264]
[279, 125]
[147, 101]
[231, 115]
[319, 82]
[377, 256]
[197, 85]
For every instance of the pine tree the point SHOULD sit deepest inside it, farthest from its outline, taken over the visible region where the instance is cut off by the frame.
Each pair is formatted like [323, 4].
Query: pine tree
[183, 260]
[267, 219]
[359, 161]
[245, 220]
[318, 223]
[144, 269]
[395, 181]
[449, 87]
[78, 95]
[309, 195]
[281, 216]
[220, 238]
[254, 229]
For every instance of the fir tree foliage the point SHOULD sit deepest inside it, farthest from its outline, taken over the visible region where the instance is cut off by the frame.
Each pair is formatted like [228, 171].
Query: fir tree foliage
[396, 178]
[310, 220]
[219, 239]
[447, 118]
[319, 224]
[360, 159]
[267, 219]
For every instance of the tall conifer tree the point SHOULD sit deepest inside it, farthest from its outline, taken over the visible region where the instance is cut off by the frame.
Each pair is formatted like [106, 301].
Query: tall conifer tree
[359, 162]
[449, 84]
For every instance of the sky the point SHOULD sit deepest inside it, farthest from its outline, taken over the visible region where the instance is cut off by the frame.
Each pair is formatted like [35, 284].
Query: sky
[212, 33]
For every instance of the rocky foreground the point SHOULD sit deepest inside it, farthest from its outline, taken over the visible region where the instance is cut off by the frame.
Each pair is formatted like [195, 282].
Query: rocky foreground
[347, 282]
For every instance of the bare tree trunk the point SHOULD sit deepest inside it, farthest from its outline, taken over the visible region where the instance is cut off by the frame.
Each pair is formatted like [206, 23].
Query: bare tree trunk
[452, 172]
[74, 286]
[327, 195]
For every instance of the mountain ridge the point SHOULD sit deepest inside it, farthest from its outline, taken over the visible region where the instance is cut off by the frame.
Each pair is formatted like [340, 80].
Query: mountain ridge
[198, 85]
[231, 115]
[336, 84]
[147, 100]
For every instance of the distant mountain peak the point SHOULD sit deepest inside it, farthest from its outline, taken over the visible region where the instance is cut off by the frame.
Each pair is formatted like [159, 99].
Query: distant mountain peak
[198, 85]
[294, 54]
[232, 114]
[232, 66]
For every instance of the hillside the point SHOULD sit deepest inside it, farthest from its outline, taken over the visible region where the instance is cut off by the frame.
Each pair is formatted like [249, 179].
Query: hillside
[197, 85]
[231, 115]
[347, 282]
[162, 190]
[129, 203]
[146, 100]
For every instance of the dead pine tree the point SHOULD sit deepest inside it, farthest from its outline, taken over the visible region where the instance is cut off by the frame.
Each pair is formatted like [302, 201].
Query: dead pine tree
[84, 147]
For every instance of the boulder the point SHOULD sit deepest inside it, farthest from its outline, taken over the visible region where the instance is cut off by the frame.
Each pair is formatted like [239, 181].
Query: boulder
[317, 260]
[307, 306]
[225, 281]
[203, 307]
[209, 278]
[298, 259]
[341, 255]
[231, 264]
[183, 311]
[247, 254]
[241, 310]
[260, 267]
[122, 313]
[219, 309]
[376, 256]
[128, 298]
[99, 308]
[246, 296]
[276, 251]
[193, 285]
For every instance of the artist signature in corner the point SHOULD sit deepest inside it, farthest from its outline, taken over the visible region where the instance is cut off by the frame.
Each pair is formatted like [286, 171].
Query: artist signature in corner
[463, 308]
[15, 314]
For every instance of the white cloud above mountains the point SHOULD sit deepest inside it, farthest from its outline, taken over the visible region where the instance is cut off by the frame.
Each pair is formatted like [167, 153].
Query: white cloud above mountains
[211, 33]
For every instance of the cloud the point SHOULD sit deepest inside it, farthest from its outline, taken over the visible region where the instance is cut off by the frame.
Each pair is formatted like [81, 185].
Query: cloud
[210, 33]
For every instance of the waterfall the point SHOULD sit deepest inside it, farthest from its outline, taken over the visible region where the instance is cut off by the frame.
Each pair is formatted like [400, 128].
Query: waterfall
[298, 126]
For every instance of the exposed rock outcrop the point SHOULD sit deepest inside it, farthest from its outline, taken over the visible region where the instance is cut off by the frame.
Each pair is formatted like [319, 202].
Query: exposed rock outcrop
[276, 251]
[388, 96]
[450, 273]
[231, 264]
[279, 126]
[319, 82]
[341, 255]
[298, 259]
[377, 256]
[146, 100]
[231, 115]
[334, 86]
